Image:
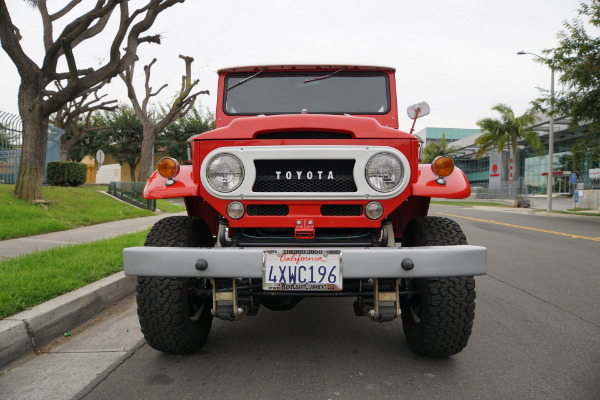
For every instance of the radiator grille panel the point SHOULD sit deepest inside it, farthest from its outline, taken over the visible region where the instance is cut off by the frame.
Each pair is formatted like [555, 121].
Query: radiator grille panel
[274, 176]
[267, 210]
[339, 210]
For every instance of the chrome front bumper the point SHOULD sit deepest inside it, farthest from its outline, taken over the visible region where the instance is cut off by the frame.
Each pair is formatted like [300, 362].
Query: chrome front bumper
[357, 262]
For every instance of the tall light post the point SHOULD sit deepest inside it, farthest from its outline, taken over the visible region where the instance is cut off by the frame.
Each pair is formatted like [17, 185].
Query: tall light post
[550, 133]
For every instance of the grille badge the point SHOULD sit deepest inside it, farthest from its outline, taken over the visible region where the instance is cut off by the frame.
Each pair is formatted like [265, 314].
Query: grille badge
[319, 175]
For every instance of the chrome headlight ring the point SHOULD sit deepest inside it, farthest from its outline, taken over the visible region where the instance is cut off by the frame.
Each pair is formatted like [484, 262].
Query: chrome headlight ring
[225, 172]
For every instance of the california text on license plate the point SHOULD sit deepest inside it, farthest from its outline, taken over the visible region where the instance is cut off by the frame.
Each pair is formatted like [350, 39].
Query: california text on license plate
[302, 270]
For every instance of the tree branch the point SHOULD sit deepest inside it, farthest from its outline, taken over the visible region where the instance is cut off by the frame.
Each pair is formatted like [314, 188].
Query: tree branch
[64, 11]
[10, 37]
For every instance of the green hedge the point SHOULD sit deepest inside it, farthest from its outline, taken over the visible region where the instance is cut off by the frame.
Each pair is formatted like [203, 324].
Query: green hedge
[60, 173]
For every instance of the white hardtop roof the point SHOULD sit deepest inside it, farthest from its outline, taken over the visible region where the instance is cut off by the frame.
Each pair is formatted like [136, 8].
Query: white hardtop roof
[287, 67]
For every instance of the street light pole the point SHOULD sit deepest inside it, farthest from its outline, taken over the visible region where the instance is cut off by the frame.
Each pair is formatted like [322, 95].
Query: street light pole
[550, 180]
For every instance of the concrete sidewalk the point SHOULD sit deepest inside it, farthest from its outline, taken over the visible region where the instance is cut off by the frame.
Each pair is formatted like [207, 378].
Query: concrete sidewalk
[29, 331]
[15, 247]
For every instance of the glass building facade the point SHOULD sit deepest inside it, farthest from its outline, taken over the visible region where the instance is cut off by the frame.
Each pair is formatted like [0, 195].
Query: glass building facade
[526, 170]
[434, 135]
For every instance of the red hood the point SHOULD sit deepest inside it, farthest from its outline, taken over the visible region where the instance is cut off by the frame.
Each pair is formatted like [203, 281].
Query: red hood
[249, 127]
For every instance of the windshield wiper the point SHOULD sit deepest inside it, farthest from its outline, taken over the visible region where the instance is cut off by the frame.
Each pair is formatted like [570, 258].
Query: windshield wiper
[325, 76]
[247, 79]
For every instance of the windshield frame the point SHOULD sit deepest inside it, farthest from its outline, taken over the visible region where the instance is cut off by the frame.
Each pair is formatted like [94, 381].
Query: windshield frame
[320, 74]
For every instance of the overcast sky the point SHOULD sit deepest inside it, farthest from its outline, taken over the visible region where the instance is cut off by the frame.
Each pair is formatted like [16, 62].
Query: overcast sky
[459, 56]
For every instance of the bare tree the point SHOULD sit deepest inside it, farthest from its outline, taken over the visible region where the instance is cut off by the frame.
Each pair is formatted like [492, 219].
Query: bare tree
[179, 108]
[37, 101]
[69, 116]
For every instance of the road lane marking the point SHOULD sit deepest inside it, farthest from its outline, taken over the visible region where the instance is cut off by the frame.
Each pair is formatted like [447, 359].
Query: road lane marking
[491, 221]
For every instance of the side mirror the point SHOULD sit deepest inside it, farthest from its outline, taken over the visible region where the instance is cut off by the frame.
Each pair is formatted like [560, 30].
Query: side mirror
[418, 110]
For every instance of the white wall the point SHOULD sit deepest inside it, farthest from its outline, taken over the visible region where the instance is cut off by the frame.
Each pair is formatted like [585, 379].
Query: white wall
[109, 173]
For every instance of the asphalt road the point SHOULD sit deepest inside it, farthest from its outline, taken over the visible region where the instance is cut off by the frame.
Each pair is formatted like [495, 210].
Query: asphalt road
[536, 334]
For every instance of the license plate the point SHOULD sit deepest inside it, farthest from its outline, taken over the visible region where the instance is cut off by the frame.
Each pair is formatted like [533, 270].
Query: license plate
[302, 270]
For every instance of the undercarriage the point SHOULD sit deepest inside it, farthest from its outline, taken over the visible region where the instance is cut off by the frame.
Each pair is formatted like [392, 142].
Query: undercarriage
[377, 299]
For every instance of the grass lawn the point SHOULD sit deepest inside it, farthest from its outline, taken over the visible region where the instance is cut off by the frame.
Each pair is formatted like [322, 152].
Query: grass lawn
[68, 208]
[32, 279]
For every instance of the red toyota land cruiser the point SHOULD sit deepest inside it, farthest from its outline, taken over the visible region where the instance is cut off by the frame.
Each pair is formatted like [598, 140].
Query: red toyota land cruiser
[306, 188]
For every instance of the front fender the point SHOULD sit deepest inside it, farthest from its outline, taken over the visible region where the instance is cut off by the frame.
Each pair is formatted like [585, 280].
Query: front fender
[456, 187]
[184, 185]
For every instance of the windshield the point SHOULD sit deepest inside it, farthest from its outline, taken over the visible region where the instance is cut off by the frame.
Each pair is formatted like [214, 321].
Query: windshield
[318, 92]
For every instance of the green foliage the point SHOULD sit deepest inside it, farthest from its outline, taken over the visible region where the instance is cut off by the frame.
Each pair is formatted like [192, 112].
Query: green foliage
[172, 140]
[59, 173]
[577, 60]
[29, 280]
[434, 150]
[5, 143]
[586, 147]
[507, 131]
[121, 136]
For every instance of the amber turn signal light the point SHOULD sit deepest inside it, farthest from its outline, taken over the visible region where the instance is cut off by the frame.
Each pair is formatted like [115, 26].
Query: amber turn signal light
[442, 166]
[168, 167]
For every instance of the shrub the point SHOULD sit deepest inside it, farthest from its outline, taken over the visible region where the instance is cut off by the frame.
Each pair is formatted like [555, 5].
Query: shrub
[61, 173]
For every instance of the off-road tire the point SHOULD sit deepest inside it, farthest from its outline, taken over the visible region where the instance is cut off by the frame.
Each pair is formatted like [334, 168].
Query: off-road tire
[437, 322]
[173, 319]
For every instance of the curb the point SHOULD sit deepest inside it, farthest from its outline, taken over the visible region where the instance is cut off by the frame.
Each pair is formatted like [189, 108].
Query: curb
[24, 333]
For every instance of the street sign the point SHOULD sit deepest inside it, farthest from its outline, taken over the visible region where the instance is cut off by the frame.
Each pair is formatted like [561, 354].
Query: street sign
[100, 157]
[576, 196]
[573, 177]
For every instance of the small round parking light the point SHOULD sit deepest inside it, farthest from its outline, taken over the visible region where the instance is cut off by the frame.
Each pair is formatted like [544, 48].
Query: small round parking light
[168, 167]
[235, 210]
[374, 210]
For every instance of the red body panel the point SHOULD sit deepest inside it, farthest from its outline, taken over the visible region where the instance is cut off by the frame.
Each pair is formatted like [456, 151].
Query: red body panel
[184, 185]
[456, 187]
[364, 131]
[250, 127]
[390, 119]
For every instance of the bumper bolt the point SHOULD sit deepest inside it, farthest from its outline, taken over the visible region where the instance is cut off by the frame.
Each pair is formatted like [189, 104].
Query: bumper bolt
[407, 264]
[201, 265]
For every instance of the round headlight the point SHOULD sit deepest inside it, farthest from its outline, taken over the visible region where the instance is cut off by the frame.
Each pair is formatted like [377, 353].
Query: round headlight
[225, 173]
[384, 172]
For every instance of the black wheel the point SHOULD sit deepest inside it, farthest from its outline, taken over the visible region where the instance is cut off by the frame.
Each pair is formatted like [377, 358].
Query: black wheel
[174, 313]
[438, 320]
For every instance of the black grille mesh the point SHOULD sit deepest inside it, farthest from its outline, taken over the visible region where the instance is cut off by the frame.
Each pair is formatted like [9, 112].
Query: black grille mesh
[267, 210]
[315, 176]
[339, 210]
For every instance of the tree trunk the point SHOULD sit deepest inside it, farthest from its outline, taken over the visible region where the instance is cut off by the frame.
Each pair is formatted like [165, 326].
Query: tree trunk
[65, 146]
[132, 171]
[30, 178]
[147, 154]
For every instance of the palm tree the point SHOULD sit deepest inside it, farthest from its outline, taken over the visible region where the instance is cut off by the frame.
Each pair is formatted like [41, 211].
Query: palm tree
[434, 150]
[507, 131]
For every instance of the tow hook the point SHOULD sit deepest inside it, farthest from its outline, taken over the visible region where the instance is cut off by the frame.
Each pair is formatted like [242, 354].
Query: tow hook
[305, 229]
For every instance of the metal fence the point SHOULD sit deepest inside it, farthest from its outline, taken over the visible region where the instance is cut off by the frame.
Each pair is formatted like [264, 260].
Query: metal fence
[517, 192]
[131, 192]
[11, 142]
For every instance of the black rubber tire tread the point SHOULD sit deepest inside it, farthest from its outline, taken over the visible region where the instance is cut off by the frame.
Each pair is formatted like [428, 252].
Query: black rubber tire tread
[164, 303]
[446, 305]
